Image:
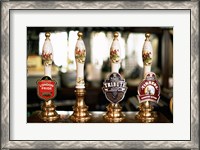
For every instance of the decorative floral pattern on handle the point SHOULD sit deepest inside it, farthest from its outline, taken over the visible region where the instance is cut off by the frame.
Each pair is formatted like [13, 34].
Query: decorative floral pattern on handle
[80, 80]
[48, 58]
[114, 55]
[147, 57]
[80, 55]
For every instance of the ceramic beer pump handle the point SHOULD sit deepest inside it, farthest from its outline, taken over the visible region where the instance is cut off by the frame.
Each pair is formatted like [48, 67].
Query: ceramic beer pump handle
[147, 54]
[47, 55]
[80, 109]
[48, 113]
[114, 87]
[115, 54]
[146, 113]
[80, 55]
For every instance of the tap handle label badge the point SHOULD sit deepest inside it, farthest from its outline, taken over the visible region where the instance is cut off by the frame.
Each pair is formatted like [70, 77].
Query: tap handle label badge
[46, 88]
[114, 88]
[149, 89]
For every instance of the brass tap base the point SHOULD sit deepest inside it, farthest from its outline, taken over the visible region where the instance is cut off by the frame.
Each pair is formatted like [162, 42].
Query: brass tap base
[114, 113]
[146, 113]
[48, 113]
[77, 117]
[80, 109]
[147, 119]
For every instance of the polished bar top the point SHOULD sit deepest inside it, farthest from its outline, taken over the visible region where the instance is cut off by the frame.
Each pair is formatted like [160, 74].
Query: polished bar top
[97, 117]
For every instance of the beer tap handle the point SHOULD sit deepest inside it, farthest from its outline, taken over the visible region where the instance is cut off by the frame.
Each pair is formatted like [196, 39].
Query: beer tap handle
[115, 54]
[147, 54]
[47, 55]
[80, 56]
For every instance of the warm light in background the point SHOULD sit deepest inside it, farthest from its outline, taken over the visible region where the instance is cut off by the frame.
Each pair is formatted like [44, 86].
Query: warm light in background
[135, 43]
[99, 47]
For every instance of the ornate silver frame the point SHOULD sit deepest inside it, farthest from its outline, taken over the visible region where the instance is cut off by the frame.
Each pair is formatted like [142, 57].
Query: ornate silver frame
[7, 5]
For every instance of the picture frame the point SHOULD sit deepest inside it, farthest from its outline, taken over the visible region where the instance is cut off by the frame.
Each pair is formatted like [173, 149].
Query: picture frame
[8, 6]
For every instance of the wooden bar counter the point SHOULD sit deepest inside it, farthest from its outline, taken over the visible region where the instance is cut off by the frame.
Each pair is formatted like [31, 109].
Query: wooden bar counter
[97, 117]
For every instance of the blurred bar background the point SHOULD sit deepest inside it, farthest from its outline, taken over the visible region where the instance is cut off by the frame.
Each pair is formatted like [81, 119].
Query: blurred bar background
[98, 41]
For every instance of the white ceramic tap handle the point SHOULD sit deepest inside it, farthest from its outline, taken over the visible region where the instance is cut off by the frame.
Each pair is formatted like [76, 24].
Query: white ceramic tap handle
[147, 54]
[115, 54]
[47, 55]
[80, 56]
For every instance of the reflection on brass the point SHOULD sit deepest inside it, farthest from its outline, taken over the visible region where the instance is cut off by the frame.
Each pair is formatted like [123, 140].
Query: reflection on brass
[80, 35]
[116, 34]
[80, 109]
[48, 113]
[47, 35]
[146, 113]
[147, 35]
[114, 113]
[171, 105]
